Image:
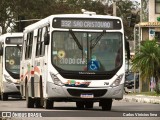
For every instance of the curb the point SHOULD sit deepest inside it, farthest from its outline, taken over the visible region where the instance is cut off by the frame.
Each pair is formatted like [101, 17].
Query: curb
[142, 99]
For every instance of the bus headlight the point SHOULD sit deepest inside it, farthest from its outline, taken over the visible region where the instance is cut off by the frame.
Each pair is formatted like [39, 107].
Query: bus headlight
[56, 80]
[8, 78]
[117, 81]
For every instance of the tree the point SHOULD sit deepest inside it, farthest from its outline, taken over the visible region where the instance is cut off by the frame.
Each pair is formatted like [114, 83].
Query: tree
[5, 15]
[11, 10]
[124, 10]
[147, 61]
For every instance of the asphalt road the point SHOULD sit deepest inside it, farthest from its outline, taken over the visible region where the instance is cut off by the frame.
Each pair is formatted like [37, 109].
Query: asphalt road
[68, 111]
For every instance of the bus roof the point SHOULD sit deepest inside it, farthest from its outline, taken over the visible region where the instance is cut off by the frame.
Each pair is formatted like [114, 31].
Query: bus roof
[3, 36]
[49, 19]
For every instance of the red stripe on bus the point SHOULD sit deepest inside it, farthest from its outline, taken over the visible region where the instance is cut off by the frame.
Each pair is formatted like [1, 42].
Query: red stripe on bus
[36, 69]
[32, 72]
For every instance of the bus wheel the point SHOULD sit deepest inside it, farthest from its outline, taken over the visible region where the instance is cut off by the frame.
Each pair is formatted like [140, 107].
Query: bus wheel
[29, 100]
[38, 103]
[4, 96]
[80, 105]
[48, 104]
[106, 104]
[89, 104]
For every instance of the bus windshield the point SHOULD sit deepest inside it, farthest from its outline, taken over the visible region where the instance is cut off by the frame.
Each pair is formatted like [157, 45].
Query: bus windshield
[12, 59]
[87, 51]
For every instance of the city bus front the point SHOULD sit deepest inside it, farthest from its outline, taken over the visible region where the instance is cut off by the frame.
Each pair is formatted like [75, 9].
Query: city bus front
[11, 66]
[88, 59]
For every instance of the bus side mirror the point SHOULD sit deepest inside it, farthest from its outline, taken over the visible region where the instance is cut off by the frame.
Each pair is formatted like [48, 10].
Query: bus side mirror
[46, 39]
[127, 49]
[1, 50]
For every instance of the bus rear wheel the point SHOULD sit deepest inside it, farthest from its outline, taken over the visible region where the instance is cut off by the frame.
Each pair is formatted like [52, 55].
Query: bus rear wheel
[29, 100]
[106, 104]
[48, 104]
[38, 103]
[4, 96]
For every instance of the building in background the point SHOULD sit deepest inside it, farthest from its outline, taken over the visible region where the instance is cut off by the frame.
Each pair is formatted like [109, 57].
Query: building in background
[149, 26]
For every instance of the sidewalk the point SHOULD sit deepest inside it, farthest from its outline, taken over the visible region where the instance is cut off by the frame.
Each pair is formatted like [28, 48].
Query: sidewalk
[142, 98]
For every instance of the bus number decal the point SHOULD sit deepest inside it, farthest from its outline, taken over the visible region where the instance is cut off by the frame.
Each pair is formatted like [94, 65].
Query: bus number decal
[65, 23]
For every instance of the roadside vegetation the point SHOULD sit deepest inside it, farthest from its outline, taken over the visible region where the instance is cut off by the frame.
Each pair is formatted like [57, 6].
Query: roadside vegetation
[147, 62]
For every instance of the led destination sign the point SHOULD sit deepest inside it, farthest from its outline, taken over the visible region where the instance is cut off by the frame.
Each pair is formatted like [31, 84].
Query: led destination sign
[14, 40]
[86, 23]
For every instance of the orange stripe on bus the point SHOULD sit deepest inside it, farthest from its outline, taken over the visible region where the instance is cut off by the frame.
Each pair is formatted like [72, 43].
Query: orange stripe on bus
[36, 69]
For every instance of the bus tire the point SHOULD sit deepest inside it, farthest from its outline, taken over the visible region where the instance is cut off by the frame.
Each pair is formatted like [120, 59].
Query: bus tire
[29, 100]
[48, 104]
[41, 92]
[80, 104]
[89, 104]
[38, 103]
[106, 104]
[4, 96]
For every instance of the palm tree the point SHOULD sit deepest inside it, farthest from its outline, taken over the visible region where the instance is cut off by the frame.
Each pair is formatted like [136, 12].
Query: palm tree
[147, 61]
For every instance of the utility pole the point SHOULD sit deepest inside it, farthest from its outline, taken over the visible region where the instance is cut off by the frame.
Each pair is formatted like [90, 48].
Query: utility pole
[114, 8]
[0, 30]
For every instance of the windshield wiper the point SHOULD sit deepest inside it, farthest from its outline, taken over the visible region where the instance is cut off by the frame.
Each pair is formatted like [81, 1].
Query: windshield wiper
[97, 40]
[76, 40]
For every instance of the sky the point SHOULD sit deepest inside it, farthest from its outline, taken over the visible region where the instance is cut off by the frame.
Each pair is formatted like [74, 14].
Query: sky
[137, 0]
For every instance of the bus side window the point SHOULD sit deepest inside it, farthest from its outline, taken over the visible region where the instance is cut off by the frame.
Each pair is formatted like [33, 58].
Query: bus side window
[26, 45]
[42, 52]
[40, 48]
[39, 37]
[29, 43]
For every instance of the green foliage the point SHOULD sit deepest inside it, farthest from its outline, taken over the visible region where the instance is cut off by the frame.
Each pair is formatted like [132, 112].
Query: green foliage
[5, 14]
[38, 9]
[158, 19]
[147, 60]
[124, 10]
[157, 89]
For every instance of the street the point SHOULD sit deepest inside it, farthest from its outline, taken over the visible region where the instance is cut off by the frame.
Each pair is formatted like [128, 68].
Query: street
[63, 110]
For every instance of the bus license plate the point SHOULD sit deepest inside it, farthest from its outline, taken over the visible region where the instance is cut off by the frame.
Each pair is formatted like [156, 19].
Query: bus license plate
[87, 95]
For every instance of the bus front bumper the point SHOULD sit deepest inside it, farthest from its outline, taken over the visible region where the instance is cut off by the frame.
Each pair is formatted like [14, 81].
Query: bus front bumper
[58, 92]
[10, 87]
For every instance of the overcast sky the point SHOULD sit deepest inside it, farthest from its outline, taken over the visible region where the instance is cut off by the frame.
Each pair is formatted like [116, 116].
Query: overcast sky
[136, 0]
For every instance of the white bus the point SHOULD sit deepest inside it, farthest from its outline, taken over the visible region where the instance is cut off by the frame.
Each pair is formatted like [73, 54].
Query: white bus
[73, 57]
[10, 52]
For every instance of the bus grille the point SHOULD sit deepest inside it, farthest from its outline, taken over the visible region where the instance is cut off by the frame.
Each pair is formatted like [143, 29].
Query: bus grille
[96, 93]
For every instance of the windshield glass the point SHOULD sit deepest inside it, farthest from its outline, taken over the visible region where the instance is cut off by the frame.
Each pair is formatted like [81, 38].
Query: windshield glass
[12, 59]
[86, 51]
